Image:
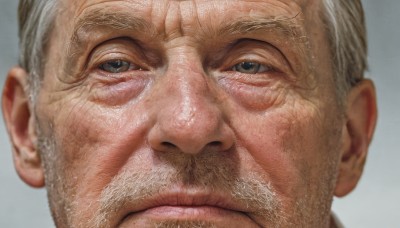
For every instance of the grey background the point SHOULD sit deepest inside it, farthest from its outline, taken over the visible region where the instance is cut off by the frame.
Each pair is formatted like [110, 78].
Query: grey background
[375, 202]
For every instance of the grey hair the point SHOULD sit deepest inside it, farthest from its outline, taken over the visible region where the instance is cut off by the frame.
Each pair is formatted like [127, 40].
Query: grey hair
[344, 21]
[36, 18]
[348, 41]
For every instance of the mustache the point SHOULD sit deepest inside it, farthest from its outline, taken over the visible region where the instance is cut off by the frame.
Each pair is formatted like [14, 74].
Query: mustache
[208, 171]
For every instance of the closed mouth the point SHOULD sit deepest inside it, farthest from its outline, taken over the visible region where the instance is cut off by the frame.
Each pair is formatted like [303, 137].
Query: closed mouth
[187, 206]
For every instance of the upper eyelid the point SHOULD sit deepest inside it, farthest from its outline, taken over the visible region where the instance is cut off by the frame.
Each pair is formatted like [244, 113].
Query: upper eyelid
[110, 56]
[114, 57]
[113, 60]
[118, 48]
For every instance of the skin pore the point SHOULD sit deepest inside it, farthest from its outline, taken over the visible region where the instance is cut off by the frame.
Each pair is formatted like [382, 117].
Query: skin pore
[192, 113]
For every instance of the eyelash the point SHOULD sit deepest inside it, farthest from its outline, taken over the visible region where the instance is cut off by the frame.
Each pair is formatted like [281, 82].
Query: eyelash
[251, 63]
[127, 65]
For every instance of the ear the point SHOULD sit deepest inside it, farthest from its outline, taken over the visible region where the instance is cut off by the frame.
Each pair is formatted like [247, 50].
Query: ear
[20, 123]
[361, 113]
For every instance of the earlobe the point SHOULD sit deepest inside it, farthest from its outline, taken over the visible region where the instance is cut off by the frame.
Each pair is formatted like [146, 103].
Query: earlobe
[361, 113]
[20, 123]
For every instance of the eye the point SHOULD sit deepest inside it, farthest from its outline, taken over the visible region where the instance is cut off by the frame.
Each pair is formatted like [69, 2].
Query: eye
[250, 68]
[118, 66]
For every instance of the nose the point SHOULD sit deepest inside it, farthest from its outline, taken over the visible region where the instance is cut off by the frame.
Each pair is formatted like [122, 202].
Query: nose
[189, 117]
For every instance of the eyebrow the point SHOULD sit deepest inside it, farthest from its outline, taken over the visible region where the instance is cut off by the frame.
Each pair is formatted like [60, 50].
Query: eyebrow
[287, 27]
[101, 18]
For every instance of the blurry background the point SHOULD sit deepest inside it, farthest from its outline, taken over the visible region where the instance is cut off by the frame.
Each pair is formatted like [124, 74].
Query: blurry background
[375, 202]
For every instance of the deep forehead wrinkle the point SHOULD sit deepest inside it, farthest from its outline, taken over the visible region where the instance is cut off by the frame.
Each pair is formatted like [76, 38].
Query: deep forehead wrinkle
[103, 19]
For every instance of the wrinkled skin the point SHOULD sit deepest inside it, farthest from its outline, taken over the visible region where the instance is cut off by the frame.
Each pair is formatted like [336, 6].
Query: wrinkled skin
[181, 124]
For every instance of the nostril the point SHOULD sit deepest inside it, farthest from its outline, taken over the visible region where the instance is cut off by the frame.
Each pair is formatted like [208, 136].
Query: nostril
[215, 144]
[168, 144]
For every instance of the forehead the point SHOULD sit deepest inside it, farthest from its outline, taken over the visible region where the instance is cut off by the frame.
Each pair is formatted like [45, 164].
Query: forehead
[172, 13]
[172, 19]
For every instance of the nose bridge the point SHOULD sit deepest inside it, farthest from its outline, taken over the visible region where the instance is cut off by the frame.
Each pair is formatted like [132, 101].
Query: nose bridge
[190, 114]
[188, 117]
[189, 111]
[191, 95]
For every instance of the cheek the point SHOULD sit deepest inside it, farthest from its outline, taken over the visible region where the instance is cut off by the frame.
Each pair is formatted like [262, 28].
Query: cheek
[93, 145]
[284, 143]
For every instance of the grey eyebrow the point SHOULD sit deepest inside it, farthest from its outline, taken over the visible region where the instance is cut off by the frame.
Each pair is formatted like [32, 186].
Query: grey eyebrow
[285, 26]
[101, 19]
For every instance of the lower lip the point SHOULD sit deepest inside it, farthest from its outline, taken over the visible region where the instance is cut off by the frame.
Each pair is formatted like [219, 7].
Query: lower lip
[186, 212]
[215, 215]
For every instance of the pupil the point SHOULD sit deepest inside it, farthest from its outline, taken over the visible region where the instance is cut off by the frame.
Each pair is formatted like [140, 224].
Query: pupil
[247, 65]
[116, 64]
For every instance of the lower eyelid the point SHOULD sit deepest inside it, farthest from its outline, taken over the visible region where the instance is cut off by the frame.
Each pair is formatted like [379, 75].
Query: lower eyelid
[118, 93]
[109, 77]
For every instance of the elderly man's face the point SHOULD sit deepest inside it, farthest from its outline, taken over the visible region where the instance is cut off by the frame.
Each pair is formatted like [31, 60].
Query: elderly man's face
[193, 113]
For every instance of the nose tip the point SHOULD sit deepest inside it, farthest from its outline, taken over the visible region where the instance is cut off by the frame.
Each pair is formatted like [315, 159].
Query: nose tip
[192, 135]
